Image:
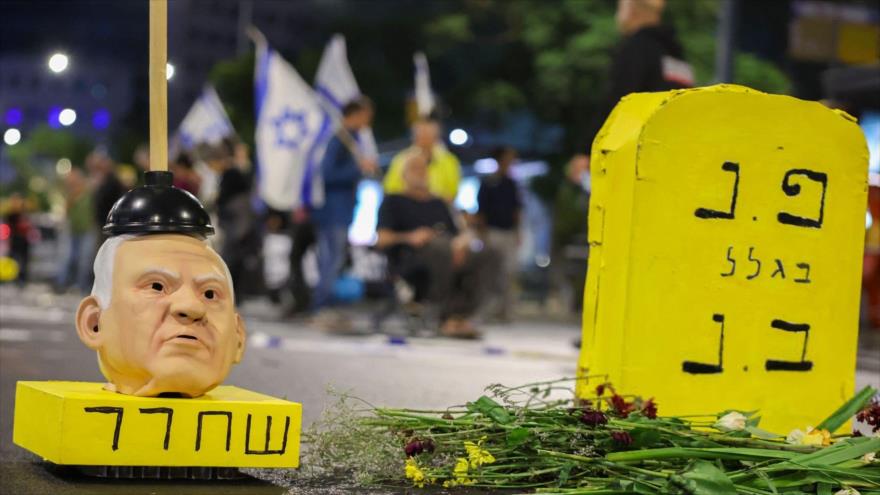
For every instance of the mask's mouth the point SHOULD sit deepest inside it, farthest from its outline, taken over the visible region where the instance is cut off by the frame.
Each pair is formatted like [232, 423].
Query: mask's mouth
[186, 336]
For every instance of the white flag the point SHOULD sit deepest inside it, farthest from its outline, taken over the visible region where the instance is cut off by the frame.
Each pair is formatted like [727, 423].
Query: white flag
[335, 83]
[206, 121]
[424, 95]
[291, 125]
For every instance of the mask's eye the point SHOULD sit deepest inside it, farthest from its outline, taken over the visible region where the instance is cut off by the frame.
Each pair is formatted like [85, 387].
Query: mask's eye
[158, 287]
[210, 294]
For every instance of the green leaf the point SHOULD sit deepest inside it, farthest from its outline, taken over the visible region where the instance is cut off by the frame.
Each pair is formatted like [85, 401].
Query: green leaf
[491, 409]
[706, 479]
[517, 436]
[847, 410]
[842, 451]
[645, 438]
[564, 473]
[759, 433]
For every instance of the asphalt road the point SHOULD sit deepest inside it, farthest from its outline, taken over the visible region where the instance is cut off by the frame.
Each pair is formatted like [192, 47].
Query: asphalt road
[285, 359]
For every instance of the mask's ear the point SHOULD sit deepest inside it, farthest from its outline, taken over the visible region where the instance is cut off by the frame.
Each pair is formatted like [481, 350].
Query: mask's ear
[241, 333]
[87, 316]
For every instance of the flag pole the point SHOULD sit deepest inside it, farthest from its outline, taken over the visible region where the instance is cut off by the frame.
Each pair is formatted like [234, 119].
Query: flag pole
[158, 85]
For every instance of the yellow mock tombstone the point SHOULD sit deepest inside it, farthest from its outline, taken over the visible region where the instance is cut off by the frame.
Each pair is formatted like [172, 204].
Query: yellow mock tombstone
[726, 233]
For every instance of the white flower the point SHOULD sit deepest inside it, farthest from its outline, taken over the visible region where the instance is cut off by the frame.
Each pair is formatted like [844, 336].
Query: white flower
[795, 437]
[847, 491]
[811, 437]
[732, 421]
[869, 457]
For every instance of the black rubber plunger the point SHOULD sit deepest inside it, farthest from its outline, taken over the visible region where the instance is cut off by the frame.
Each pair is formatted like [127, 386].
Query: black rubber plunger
[157, 207]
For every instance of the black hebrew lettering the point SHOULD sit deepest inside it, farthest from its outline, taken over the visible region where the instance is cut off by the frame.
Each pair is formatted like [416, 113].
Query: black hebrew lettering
[732, 264]
[708, 213]
[756, 261]
[202, 414]
[795, 189]
[803, 364]
[266, 451]
[110, 410]
[779, 269]
[704, 368]
[806, 278]
[162, 410]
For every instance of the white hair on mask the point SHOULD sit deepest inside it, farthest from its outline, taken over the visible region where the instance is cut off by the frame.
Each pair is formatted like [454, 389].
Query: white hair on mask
[105, 263]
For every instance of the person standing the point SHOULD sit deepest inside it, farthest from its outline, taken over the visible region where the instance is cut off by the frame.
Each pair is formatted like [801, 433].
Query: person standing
[236, 220]
[76, 268]
[341, 172]
[499, 213]
[648, 58]
[107, 189]
[444, 169]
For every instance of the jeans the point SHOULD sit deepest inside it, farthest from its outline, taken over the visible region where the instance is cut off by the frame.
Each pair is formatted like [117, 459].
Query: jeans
[332, 242]
[77, 265]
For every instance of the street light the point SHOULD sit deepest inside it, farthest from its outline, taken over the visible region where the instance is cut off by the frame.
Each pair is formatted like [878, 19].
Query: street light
[67, 117]
[458, 137]
[58, 62]
[169, 71]
[12, 136]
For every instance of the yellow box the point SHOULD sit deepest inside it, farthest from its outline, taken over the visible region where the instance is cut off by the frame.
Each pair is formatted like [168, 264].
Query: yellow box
[726, 232]
[79, 423]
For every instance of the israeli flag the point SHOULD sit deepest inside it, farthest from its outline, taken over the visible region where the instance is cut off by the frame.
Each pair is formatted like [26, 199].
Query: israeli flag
[291, 125]
[424, 95]
[335, 83]
[206, 121]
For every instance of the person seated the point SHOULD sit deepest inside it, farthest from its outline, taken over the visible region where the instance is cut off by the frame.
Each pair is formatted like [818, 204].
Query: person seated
[426, 249]
[444, 168]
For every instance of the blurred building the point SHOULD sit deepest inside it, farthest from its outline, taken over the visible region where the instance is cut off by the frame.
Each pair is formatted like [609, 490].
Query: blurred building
[94, 90]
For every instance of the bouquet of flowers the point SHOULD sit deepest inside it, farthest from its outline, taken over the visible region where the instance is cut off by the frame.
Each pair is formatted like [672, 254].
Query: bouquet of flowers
[525, 440]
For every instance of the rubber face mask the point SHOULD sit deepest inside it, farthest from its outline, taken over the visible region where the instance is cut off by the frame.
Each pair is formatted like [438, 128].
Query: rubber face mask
[170, 325]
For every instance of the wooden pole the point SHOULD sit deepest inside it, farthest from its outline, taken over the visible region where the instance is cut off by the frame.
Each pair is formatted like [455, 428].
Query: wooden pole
[158, 85]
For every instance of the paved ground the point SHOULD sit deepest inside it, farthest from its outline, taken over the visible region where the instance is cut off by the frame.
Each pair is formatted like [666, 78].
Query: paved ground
[288, 359]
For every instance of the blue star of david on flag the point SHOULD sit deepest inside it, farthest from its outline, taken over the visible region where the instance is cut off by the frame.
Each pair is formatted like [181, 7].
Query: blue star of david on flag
[290, 128]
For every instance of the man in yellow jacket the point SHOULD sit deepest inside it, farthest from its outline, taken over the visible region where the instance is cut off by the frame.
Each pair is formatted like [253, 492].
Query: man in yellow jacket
[444, 170]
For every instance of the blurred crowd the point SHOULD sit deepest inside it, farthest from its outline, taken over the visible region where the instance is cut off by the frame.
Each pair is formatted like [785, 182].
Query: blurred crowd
[440, 266]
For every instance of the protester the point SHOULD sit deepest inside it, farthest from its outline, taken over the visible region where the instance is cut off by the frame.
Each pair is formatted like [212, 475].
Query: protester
[20, 229]
[426, 249]
[277, 245]
[303, 237]
[185, 176]
[107, 189]
[444, 169]
[238, 230]
[76, 268]
[648, 58]
[570, 220]
[341, 172]
[499, 215]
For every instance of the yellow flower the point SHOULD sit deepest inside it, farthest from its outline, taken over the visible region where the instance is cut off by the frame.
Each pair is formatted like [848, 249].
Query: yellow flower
[415, 473]
[477, 455]
[811, 437]
[459, 473]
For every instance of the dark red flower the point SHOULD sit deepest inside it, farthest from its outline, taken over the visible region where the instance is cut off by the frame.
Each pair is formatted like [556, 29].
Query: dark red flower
[621, 406]
[416, 447]
[600, 389]
[870, 415]
[622, 438]
[649, 409]
[593, 418]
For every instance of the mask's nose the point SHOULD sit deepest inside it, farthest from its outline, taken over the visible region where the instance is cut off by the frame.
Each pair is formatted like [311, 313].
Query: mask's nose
[187, 307]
